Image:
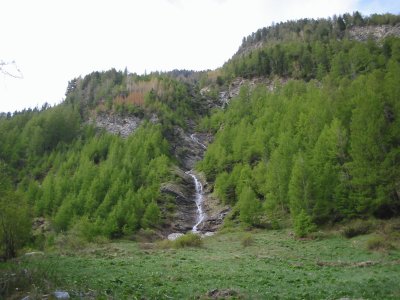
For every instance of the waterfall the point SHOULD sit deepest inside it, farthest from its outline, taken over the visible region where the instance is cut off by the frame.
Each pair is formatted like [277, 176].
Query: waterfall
[196, 140]
[199, 196]
[199, 201]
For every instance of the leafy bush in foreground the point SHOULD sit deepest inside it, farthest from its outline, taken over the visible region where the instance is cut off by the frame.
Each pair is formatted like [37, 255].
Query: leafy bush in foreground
[188, 240]
[303, 224]
[379, 243]
[357, 228]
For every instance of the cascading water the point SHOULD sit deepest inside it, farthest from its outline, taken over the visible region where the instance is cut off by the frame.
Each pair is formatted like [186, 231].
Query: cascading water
[196, 140]
[199, 201]
[199, 197]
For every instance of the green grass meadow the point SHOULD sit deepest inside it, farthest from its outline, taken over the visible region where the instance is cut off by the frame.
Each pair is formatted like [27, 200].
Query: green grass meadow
[274, 265]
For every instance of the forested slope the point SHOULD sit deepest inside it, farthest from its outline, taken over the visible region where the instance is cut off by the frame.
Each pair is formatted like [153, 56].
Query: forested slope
[322, 148]
[309, 48]
[57, 165]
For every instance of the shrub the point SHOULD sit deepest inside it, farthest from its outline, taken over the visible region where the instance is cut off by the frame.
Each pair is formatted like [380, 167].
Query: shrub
[359, 227]
[303, 224]
[392, 229]
[379, 243]
[188, 240]
[16, 224]
[247, 240]
[86, 229]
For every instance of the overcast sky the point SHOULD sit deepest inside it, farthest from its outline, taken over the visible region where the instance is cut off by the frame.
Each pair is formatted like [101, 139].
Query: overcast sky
[55, 41]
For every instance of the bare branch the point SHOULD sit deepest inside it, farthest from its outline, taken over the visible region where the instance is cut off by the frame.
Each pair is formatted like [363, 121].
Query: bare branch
[10, 69]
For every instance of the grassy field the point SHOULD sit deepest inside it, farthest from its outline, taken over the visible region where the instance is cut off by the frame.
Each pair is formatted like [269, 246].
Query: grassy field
[257, 265]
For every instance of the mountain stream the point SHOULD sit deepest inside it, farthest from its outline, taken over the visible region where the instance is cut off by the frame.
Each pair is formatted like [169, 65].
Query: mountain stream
[198, 196]
[199, 201]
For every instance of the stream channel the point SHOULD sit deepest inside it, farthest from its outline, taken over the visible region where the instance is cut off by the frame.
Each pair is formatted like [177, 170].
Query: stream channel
[199, 190]
[199, 201]
[198, 198]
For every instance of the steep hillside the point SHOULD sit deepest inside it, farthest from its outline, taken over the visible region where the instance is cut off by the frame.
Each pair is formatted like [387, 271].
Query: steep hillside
[299, 128]
[110, 160]
[312, 134]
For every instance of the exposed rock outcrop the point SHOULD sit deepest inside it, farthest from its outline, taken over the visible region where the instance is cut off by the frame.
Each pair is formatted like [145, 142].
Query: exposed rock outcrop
[188, 150]
[185, 212]
[116, 124]
[40, 225]
[363, 33]
[214, 222]
[234, 88]
[215, 211]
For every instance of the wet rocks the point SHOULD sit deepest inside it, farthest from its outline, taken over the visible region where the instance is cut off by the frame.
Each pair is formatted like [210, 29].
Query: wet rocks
[186, 149]
[214, 222]
[182, 190]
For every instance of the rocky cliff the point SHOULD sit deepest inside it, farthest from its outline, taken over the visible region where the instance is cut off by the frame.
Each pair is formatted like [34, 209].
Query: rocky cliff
[363, 33]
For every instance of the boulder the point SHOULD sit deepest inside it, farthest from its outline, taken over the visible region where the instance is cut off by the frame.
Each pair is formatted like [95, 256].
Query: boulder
[174, 236]
[33, 254]
[61, 295]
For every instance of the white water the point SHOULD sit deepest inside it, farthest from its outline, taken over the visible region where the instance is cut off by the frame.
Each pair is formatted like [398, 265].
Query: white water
[199, 201]
[196, 140]
[199, 190]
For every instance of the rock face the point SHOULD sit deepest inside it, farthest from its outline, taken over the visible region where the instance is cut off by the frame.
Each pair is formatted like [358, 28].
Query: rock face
[358, 33]
[117, 125]
[40, 225]
[234, 88]
[185, 212]
[213, 223]
[189, 148]
[374, 32]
